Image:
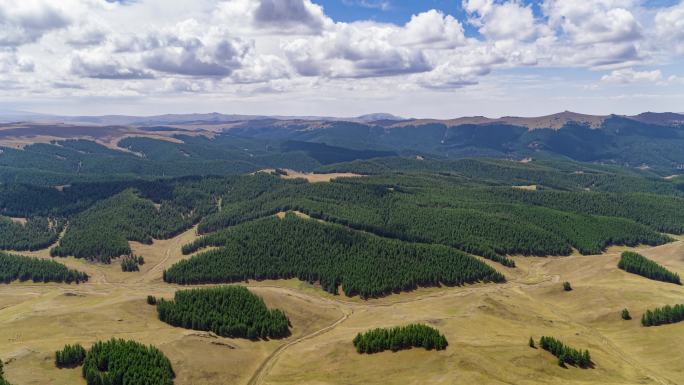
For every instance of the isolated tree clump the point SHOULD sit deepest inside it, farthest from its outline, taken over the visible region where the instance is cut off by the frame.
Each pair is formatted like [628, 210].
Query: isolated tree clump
[18, 267]
[636, 263]
[564, 353]
[121, 362]
[566, 286]
[70, 356]
[663, 315]
[625, 315]
[3, 381]
[400, 338]
[131, 263]
[229, 311]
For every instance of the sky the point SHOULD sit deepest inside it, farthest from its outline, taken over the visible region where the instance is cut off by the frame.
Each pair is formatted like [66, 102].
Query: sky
[412, 58]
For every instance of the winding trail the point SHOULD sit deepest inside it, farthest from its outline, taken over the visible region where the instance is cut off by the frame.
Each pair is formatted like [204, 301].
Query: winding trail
[266, 366]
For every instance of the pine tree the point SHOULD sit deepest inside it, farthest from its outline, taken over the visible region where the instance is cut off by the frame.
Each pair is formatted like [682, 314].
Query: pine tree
[531, 342]
[566, 286]
[625, 315]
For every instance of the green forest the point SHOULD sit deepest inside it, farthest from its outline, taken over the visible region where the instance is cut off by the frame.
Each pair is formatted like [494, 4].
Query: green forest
[330, 254]
[121, 362]
[228, 311]
[564, 353]
[103, 231]
[18, 267]
[37, 233]
[636, 263]
[663, 315]
[400, 338]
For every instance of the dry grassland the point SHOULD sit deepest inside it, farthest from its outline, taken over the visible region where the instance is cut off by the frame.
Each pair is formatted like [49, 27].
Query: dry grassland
[313, 177]
[487, 326]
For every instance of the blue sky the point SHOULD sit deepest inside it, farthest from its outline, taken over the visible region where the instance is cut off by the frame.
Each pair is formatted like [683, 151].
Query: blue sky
[417, 58]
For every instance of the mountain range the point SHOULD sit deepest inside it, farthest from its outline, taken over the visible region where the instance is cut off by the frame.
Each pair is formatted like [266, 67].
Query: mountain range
[648, 140]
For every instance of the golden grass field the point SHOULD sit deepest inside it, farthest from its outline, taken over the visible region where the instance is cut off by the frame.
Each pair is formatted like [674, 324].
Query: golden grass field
[313, 177]
[487, 326]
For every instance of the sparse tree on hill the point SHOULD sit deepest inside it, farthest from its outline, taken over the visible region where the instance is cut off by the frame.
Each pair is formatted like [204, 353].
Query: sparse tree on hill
[625, 315]
[566, 286]
[531, 343]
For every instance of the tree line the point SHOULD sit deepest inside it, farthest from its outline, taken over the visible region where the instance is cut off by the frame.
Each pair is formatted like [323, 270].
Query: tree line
[121, 362]
[663, 315]
[329, 254]
[400, 338]
[18, 267]
[229, 311]
[565, 354]
[636, 263]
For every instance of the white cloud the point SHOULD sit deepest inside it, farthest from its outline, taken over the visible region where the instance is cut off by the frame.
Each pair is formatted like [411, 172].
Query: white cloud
[669, 28]
[629, 76]
[368, 49]
[26, 21]
[238, 48]
[509, 20]
[594, 21]
[99, 65]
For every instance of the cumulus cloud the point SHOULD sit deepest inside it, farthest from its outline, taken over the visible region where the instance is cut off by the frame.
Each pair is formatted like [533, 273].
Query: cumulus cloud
[279, 16]
[98, 66]
[190, 52]
[669, 27]
[26, 21]
[594, 21]
[502, 21]
[10, 62]
[368, 49]
[629, 76]
[240, 47]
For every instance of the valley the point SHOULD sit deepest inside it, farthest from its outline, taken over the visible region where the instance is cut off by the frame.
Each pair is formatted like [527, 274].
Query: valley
[488, 252]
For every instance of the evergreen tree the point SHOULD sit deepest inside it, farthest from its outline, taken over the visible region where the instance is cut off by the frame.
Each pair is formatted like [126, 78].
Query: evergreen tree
[566, 286]
[229, 311]
[663, 315]
[18, 267]
[625, 315]
[399, 338]
[638, 264]
[566, 354]
[330, 254]
[70, 356]
[121, 362]
[531, 343]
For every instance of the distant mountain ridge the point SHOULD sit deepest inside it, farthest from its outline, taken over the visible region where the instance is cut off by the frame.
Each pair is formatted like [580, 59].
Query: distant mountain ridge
[553, 121]
[647, 140]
